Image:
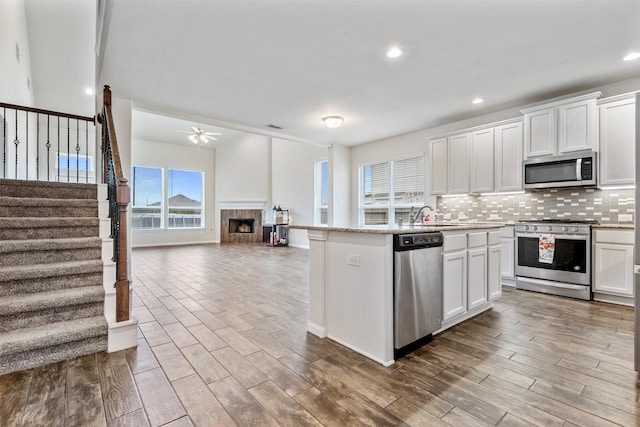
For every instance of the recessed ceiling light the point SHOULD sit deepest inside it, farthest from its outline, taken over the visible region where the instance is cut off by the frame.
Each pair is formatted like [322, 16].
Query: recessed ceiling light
[88, 91]
[394, 52]
[477, 101]
[632, 56]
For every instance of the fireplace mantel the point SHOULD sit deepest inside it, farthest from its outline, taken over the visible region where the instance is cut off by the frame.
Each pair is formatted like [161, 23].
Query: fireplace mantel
[241, 204]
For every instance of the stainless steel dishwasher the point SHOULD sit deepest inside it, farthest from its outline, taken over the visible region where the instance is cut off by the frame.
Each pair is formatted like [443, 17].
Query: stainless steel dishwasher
[417, 289]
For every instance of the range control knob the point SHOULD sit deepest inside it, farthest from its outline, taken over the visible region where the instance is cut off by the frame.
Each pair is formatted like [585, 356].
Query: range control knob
[575, 229]
[526, 227]
[549, 228]
[565, 228]
[535, 227]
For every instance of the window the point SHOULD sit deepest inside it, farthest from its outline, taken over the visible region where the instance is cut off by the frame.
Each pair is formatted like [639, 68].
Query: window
[146, 210]
[77, 162]
[321, 193]
[176, 203]
[388, 190]
[185, 198]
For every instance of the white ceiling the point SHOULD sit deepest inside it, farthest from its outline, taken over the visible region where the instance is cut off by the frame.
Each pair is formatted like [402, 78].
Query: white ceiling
[292, 62]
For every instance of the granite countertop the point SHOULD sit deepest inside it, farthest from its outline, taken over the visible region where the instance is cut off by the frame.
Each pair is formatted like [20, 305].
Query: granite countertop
[626, 226]
[405, 229]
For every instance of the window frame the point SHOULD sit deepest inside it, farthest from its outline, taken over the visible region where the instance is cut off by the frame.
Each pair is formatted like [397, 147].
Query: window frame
[164, 202]
[317, 193]
[390, 206]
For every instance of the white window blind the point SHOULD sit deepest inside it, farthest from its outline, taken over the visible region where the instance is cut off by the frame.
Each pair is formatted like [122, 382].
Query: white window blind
[389, 189]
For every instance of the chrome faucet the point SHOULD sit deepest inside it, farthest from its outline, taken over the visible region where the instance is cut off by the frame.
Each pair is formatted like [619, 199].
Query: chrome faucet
[412, 220]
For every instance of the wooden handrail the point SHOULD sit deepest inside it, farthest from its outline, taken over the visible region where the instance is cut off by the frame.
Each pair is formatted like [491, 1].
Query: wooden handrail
[119, 196]
[46, 112]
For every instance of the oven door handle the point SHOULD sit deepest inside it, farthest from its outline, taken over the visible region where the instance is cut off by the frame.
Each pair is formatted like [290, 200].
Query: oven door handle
[558, 236]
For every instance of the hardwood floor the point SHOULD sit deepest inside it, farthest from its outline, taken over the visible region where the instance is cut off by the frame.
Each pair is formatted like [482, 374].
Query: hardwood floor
[223, 342]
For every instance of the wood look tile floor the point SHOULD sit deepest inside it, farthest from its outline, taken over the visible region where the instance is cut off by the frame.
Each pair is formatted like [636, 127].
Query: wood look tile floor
[223, 342]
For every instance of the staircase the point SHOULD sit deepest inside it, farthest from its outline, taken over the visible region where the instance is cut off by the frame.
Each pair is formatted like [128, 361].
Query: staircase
[51, 274]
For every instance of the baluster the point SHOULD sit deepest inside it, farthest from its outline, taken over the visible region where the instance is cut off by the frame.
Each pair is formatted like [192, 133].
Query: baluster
[4, 142]
[16, 142]
[68, 151]
[86, 151]
[37, 146]
[77, 150]
[26, 145]
[58, 152]
[48, 149]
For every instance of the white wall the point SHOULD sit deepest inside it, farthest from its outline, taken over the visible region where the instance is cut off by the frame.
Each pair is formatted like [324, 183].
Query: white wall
[14, 73]
[162, 155]
[293, 183]
[339, 186]
[241, 174]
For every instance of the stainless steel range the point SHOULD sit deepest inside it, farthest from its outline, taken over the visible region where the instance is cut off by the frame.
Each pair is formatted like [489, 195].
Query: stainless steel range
[554, 257]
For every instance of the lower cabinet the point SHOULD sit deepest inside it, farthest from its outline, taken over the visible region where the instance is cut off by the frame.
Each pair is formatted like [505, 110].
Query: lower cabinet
[471, 272]
[613, 266]
[508, 255]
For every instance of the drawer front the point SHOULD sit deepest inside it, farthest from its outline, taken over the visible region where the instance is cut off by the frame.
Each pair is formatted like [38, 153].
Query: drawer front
[508, 232]
[477, 239]
[454, 242]
[494, 237]
[622, 237]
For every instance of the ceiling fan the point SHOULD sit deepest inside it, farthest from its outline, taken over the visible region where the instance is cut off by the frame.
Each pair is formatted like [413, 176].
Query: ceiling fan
[200, 136]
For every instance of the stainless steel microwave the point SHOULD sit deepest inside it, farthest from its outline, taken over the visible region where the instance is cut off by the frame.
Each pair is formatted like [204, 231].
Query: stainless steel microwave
[577, 169]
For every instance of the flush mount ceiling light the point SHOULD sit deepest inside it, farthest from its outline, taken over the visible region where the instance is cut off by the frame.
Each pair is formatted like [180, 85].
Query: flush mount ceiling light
[632, 56]
[394, 52]
[333, 121]
[199, 136]
[477, 101]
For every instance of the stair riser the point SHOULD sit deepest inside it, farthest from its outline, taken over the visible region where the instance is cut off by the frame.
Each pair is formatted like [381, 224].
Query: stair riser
[43, 317]
[7, 188]
[43, 257]
[47, 211]
[47, 233]
[43, 356]
[26, 286]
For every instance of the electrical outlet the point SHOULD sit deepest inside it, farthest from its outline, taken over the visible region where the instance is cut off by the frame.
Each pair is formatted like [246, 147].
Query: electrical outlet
[353, 259]
[461, 215]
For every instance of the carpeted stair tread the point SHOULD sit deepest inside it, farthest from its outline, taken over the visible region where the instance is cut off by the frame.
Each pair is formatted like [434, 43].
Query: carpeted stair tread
[49, 270]
[43, 336]
[49, 244]
[43, 356]
[29, 319]
[43, 284]
[46, 202]
[56, 190]
[38, 222]
[16, 304]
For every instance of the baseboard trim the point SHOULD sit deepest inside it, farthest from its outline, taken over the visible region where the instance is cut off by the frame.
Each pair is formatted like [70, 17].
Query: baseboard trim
[317, 330]
[122, 335]
[385, 363]
[152, 245]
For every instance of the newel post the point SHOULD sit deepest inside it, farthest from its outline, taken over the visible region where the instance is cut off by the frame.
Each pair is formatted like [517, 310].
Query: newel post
[122, 273]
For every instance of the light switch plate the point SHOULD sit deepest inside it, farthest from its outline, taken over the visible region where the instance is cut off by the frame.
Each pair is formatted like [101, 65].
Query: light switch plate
[353, 259]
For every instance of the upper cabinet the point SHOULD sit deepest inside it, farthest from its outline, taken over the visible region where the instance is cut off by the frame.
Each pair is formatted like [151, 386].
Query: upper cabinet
[561, 126]
[482, 167]
[617, 140]
[439, 166]
[480, 160]
[508, 157]
[459, 163]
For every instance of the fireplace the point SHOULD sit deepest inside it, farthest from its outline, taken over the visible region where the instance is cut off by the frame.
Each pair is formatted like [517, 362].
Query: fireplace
[240, 226]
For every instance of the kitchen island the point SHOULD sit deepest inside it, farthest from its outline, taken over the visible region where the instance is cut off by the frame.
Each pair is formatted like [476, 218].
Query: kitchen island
[351, 280]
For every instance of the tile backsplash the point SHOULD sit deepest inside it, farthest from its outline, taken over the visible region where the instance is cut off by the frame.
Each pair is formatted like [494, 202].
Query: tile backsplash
[604, 206]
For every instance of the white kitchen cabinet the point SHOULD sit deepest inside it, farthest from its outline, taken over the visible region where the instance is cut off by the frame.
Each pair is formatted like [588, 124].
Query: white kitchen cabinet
[540, 132]
[508, 157]
[482, 157]
[454, 292]
[471, 273]
[508, 255]
[494, 284]
[613, 266]
[458, 164]
[439, 161]
[476, 277]
[617, 141]
[562, 126]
